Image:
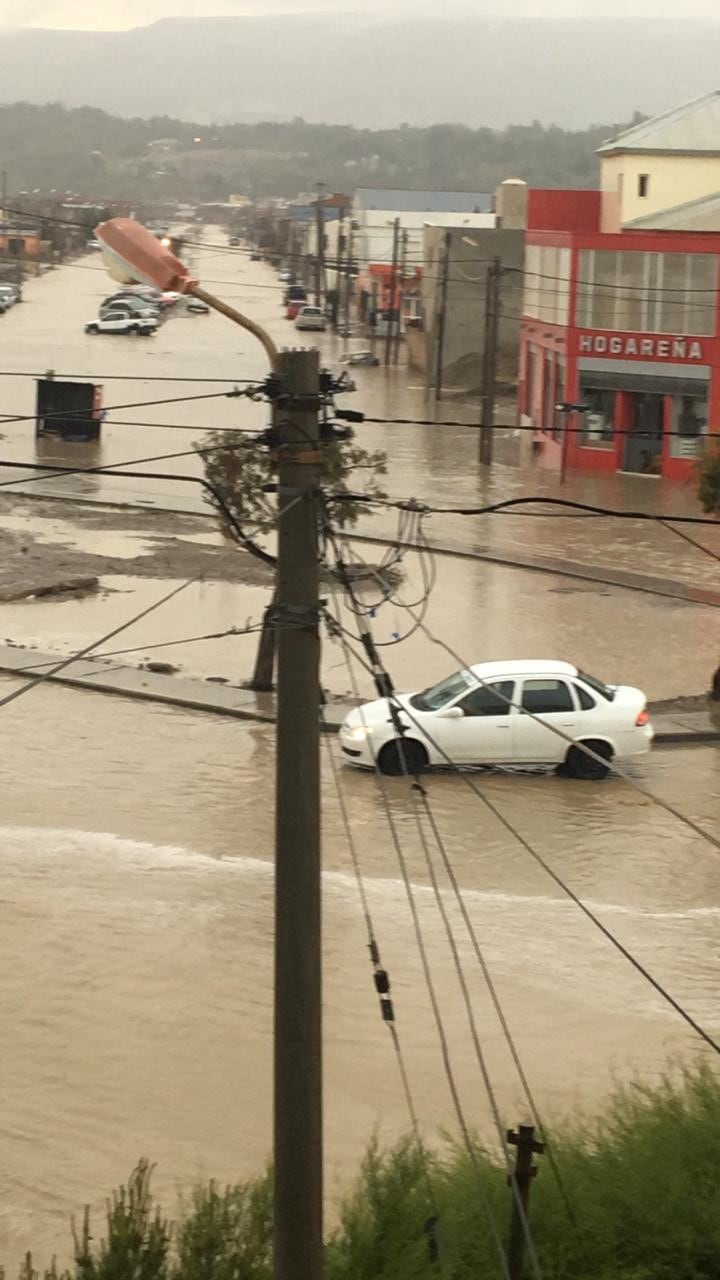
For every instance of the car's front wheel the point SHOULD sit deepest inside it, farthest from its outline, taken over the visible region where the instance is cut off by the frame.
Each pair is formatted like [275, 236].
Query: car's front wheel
[578, 764]
[91, 328]
[401, 756]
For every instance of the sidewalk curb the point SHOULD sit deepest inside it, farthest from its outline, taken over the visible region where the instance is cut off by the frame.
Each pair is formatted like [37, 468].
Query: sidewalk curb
[165, 692]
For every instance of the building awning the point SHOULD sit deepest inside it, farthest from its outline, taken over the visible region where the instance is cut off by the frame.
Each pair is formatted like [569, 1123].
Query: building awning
[643, 375]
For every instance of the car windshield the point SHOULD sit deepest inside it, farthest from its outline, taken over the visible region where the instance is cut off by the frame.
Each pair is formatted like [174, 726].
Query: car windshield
[604, 690]
[439, 695]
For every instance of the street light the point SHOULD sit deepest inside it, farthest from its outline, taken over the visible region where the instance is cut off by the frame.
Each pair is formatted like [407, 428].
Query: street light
[133, 254]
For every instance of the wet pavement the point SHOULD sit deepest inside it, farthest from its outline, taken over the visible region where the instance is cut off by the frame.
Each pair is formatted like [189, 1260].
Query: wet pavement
[137, 861]
[137, 966]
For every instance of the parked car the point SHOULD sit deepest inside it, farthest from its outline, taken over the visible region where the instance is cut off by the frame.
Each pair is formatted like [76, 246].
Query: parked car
[256, 257]
[128, 308]
[130, 302]
[295, 293]
[286, 277]
[311, 318]
[505, 713]
[198, 307]
[7, 298]
[121, 322]
[234, 241]
[294, 307]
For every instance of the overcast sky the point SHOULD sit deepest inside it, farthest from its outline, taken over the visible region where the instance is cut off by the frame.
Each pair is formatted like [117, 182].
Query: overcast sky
[130, 13]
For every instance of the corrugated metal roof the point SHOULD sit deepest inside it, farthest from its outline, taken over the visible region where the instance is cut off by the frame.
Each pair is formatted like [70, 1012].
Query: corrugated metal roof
[702, 214]
[694, 127]
[424, 201]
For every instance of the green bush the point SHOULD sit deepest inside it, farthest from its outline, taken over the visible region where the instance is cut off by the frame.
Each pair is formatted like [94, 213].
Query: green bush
[642, 1181]
[709, 487]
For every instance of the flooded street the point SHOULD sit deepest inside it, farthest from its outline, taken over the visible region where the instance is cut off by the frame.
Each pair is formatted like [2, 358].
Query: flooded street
[136, 842]
[137, 961]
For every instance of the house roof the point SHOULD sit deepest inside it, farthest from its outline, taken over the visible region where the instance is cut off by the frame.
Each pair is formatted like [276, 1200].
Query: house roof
[424, 201]
[702, 214]
[691, 129]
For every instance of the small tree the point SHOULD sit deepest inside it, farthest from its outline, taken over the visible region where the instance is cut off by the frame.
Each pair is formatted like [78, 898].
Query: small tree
[239, 471]
[709, 487]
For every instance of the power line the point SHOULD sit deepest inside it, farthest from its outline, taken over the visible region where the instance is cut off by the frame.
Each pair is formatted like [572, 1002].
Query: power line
[110, 635]
[159, 644]
[119, 377]
[428, 976]
[509, 504]
[587, 911]
[419, 790]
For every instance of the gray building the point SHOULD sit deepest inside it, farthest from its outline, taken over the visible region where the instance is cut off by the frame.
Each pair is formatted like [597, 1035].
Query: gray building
[461, 257]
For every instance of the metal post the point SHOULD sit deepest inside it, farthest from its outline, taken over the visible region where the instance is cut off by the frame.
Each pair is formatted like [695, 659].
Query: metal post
[490, 359]
[440, 340]
[527, 1145]
[348, 277]
[401, 295]
[393, 288]
[320, 246]
[298, 995]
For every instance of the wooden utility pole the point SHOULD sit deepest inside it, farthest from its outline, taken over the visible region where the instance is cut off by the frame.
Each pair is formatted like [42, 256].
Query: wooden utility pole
[339, 261]
[320, 246]
[390, 329]
[526, 1146]
[441, 315]
[348, 277]
[298, 1182]
[490, 360]
[401, 295]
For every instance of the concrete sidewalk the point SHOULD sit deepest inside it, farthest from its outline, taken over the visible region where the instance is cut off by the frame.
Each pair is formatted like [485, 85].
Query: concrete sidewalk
[228, 700]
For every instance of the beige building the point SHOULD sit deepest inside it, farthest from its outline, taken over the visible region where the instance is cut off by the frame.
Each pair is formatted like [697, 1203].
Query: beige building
[665, 165]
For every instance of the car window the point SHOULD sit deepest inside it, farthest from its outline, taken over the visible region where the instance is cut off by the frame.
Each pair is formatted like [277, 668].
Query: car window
[544, 696]
[439, 695]
[587, 702]
[489, 700]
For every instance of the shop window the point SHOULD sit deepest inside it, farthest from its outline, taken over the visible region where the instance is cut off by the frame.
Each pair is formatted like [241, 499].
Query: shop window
[598, 422]
[689, 425]
[634, 292]
[643, 185]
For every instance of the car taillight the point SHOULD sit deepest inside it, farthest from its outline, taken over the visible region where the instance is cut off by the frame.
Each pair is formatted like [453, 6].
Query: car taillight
[643, 717]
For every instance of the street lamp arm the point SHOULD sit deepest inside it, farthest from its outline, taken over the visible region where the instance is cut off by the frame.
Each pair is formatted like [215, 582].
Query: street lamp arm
[237, 316]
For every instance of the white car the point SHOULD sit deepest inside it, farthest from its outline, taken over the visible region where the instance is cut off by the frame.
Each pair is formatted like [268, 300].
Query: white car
[504, 713]
[121, 322]
[311, 318]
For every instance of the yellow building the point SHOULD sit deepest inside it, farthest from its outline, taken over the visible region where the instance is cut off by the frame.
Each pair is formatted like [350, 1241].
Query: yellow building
[663, 169]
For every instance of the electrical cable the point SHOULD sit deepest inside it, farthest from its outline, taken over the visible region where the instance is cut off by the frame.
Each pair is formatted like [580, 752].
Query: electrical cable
[123, 626]
[680, 533]
[420, 790]
[562, 884]
[159, 644]
[428, 976]
[381, 977]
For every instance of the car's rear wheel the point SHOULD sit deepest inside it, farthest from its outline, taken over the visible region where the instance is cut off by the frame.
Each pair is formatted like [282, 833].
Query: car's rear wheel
[578, 764]
[134, 328]
[403, 755]
[91, 328]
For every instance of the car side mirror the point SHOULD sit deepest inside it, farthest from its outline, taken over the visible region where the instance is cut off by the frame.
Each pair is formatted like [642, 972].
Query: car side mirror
[452, 713]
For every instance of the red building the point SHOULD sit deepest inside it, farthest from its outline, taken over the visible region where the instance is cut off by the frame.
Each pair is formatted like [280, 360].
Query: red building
[626, 326]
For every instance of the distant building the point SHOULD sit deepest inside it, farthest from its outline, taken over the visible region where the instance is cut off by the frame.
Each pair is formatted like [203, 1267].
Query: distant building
[620, 308]
[456, 342]
[665, 163]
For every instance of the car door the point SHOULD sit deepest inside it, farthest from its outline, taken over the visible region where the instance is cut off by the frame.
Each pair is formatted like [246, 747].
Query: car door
[551, 706]
[477, 728]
